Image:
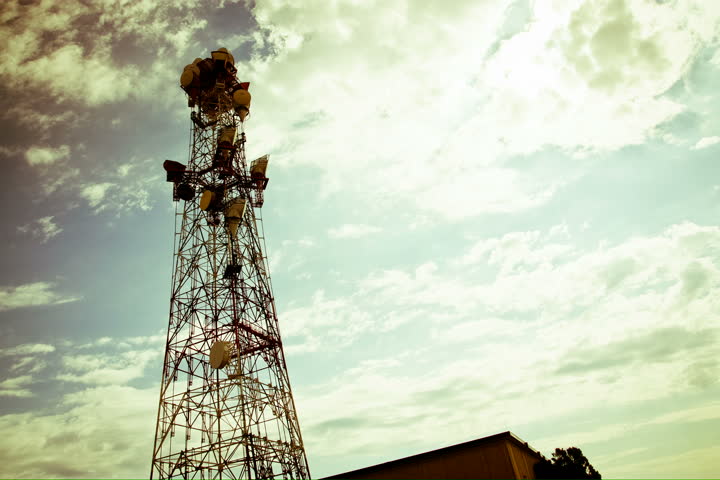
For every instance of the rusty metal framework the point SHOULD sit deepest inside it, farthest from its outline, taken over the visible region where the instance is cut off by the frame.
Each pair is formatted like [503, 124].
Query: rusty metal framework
[231, 416]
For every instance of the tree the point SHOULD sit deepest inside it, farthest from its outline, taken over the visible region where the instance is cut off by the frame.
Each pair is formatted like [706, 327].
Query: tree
[566, 464]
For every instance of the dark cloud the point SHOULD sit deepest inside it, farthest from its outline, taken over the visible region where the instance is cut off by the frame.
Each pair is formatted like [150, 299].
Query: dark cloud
[703, 374]
[657, 346]
[88, 53]
[454, 393]
[610, 55]
[58, 469]
[343, 423]
[61, 438]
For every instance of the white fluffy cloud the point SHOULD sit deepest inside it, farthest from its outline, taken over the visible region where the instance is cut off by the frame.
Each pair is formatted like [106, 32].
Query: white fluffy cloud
[101, 432]
[100, 427]
[638, 318]
[107, 369]
[84, 69]
[43, 228]
[339, 320]
[27, 349]
[706, 142]
[16, 387]
[659, 282]
[95, 193]
[70, 73]
[442, 103]
[32, 294]
[122, 190]
[28, 359]
[39, 121]
[46, 155]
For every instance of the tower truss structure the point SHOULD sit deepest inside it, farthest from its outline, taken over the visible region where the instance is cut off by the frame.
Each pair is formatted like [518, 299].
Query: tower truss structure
[226, 409]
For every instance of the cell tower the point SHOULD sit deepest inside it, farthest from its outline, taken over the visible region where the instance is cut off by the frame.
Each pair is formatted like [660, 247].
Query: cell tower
[226, 409]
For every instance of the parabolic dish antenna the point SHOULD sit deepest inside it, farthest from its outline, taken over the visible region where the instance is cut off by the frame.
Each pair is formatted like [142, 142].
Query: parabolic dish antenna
[207, 200]
[219, 354]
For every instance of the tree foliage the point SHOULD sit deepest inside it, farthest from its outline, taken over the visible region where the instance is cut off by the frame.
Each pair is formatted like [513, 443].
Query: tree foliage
[566, 464]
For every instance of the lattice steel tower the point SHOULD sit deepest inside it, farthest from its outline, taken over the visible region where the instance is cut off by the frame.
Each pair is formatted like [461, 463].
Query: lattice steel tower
[226, 409]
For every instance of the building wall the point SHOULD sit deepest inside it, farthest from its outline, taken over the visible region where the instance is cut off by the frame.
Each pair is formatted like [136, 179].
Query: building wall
[523, 460]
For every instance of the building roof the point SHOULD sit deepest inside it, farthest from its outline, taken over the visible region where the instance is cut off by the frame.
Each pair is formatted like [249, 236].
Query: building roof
[507, 436]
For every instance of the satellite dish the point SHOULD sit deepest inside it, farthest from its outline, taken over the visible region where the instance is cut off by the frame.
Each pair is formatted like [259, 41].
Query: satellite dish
[190, 75]
[185, 192]
[207, 199]
[219, 355]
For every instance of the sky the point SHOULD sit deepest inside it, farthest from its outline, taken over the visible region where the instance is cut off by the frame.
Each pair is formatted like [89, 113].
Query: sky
[482, 216]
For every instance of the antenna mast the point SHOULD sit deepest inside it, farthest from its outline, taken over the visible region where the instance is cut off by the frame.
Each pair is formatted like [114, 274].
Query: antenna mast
[226, 409]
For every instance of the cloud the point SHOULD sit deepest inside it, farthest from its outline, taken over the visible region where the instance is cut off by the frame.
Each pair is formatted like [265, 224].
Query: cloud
[388, 163]
[134, 194]
[637, 318]
[103, 369]
[352, 230]
[605, 37]
[51, 164]
[661, 282]
[661, 345]
[324, 322]
[626, 463]
[43, 156]
[124, 189]
[486, 190]
[517, 250]
[690, 463]
[61, 177]
[603, 433]
[290, 254]
[488, 101]
[81, 42]
[640, 269]
[27, 349]
[27, 357]
[39, 121]
[86, 76]
[95, 193]
[31, 295]
[124, 169]
[706, 142]
[16, 387]
[30, 365]
[43, 228]
[75, 439]
[594, 69]
[695, 414]
[123, 343]
[94, 400]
